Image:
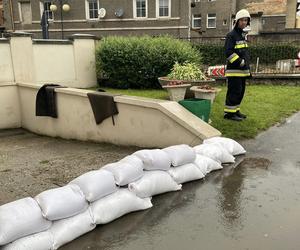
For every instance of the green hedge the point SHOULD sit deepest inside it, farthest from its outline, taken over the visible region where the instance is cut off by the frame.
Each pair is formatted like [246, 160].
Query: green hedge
[268, 53]
[137, 62]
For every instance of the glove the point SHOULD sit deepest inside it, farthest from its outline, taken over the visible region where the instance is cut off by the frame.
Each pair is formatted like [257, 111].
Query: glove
[242, 64]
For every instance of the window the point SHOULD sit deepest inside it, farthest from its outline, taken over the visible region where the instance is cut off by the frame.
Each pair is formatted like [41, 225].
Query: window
[140, 8]
[46, 6]
[211, 21]
[92, 7]
[25, 12]
[163, 8]
[225, 22]
[196, 21]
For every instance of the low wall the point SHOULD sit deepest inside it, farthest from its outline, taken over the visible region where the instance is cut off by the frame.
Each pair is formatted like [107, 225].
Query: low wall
[10, 116]
[69, 63]
[141, 121]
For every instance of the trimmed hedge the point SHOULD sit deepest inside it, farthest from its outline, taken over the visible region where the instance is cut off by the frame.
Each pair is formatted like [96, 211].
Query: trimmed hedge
[137, 62]
[268, 53]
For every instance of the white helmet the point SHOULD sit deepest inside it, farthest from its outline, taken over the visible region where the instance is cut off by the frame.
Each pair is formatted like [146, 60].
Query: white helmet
[242, 14]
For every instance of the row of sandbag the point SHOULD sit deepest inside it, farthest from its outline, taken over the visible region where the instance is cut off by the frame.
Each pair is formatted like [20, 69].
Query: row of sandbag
[57, 216]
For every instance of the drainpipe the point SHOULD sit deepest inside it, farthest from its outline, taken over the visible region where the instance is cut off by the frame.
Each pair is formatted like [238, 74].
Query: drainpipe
[12, 15]
[190, 17]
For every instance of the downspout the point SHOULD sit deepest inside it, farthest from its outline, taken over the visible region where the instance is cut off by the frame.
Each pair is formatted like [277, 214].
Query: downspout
[12, 15]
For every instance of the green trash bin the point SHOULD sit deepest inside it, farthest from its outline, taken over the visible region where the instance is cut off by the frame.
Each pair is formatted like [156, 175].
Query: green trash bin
[199, 107]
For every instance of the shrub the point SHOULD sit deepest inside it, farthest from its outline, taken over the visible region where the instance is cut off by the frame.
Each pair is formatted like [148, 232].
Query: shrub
[137, 62]
[268, 53]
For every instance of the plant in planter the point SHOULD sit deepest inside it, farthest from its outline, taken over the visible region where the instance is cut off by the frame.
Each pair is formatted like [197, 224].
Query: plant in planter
[188, 73]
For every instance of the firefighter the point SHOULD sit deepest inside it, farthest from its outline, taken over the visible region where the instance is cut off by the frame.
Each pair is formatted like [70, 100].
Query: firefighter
[238, 68]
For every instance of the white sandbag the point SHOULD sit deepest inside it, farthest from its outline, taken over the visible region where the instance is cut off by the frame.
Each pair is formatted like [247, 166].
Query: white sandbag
[215, 152]
[154, 159]
[21, 218]
[124, 172]
[230, 145]
[38, 241]
[133, 160]
[186, 173]
[153, 183]
[180, 154]
[96, 184]
[63, 202]
[206, 164]
[66, 230]
[116, 205]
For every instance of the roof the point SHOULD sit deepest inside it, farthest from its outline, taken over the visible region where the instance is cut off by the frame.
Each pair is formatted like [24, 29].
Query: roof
[268, 7]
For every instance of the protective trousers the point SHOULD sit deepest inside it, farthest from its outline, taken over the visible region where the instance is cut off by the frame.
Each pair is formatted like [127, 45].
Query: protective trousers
[235, 92]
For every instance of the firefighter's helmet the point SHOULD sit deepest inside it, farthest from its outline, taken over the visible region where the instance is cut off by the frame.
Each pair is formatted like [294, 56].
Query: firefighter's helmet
[243, 14]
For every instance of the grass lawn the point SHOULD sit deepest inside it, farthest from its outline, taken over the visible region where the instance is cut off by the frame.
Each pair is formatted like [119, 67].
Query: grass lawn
[264, 105]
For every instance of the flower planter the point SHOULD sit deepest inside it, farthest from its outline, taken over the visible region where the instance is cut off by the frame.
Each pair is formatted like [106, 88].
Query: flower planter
[189, 94]
[176, 92]
[205, 92]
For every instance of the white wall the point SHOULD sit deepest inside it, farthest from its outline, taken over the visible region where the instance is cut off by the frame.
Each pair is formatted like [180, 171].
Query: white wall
[6, 67]
[142, 122]
[10, 116]
[54, 63]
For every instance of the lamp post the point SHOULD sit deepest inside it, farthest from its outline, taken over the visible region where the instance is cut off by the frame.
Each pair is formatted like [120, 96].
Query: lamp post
[64, 7]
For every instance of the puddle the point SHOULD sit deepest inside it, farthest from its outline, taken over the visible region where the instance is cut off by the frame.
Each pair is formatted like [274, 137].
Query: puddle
[255, 163]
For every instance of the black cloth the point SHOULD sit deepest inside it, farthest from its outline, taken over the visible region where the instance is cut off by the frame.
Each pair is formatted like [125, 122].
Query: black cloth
[45, 104]
[235, 91]
[103, 106]
[236, 44]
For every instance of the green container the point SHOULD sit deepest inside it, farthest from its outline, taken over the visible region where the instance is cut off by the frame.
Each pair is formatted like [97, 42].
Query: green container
[199, 107]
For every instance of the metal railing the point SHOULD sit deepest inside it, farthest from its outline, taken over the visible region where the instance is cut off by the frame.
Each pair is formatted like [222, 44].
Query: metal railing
[266, 57]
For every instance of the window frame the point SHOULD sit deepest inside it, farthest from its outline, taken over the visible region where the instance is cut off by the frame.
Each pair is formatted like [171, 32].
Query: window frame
[135, 10]
[169, 9]
[87, 10]
[196, 18]
[211, 18]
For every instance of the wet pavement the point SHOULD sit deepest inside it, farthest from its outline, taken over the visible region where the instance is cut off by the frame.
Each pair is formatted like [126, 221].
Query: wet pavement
[253, 205]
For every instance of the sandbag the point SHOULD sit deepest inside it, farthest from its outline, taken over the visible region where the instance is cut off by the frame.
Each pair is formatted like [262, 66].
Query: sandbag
[124, 172]
[186, 173]
[38, 241]
[116, 205]
[230, 145]
[21, 218]
[215, 152]
[133, 160]
[66, 230]
[96, 184]
[61, 203]
[154, 159]
[153, 183]
[180, 154]
[206, 164]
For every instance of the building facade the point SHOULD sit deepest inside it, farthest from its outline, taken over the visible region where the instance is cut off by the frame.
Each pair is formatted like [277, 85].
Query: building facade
[199, 19]
[129, 17]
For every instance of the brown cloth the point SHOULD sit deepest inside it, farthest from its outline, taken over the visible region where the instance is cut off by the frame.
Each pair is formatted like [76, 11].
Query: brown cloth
[103, 106]
[45, 103]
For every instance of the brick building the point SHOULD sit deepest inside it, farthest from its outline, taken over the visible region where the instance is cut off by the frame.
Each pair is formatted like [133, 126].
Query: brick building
[180, 18]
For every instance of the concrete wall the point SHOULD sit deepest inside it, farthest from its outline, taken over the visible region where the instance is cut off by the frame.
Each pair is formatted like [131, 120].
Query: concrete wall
[141, 121]
[10, 116]
[67, 62]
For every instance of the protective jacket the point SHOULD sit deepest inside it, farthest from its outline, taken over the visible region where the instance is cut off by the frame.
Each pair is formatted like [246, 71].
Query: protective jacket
[237, 54]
